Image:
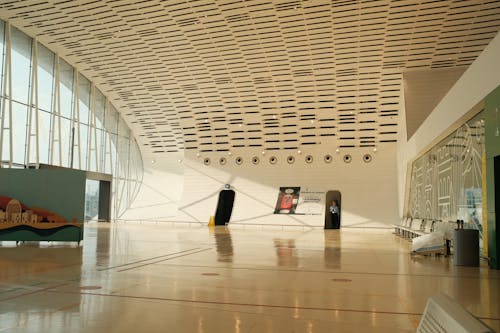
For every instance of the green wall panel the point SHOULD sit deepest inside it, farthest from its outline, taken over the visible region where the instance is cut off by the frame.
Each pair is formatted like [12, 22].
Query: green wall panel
[61, 191]
[492, 147]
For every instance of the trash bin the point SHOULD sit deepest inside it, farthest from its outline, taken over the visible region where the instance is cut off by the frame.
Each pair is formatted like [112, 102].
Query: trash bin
[466, 247]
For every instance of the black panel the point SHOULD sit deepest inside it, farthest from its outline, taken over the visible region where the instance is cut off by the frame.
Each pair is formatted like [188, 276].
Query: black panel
[224, 207]
[497, 203]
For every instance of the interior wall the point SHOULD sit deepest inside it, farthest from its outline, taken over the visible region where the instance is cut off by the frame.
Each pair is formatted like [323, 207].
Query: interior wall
[492, 144]
[482, 76]
[160, 191]
[369, 195]
[187, 191]
[446, 181]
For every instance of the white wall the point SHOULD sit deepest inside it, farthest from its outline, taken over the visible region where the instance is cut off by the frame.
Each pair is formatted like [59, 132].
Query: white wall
[188, 191]
[482, 76]
[368, 189]
[161, 189]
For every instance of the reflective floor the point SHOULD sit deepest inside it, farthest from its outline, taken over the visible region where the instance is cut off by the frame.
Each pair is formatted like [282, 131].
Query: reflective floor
[159, 278]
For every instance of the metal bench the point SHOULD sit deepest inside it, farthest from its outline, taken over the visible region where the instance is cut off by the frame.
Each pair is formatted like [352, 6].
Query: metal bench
[399, 228]
[414, 227]
[417, 228]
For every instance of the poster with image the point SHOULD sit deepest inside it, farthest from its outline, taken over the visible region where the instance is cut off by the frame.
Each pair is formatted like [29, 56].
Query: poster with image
[288, 198]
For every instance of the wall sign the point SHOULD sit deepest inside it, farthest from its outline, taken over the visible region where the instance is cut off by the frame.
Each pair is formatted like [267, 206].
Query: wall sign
[311, 202]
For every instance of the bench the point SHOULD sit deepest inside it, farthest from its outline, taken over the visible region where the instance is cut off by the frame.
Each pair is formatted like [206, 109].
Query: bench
[417, 228]
[414, 227]
[400, 229]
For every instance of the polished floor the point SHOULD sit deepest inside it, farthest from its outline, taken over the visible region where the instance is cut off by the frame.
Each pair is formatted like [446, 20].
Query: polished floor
[159, 278]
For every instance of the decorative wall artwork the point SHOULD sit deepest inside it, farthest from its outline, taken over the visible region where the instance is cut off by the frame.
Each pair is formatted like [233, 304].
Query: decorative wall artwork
[288, 198]
[20, 222]
[446, 182]
[42, 204]
[13, 211]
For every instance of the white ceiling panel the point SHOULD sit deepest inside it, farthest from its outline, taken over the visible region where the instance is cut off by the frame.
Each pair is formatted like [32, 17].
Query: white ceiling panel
[271, 74]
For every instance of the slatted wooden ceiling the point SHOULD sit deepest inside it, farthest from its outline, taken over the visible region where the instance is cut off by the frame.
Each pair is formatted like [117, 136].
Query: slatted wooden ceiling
[272, 74]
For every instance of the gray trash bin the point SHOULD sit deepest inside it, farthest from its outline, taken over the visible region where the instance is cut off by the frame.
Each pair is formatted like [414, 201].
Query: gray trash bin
[466, 247]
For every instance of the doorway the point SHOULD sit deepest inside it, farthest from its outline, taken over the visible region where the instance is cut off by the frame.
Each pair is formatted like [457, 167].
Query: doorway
[97, 200]
[330, 196]
[104, 213]
[99, 196]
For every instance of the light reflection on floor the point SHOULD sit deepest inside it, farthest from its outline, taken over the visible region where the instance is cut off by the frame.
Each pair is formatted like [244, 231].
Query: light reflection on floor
[159, 278]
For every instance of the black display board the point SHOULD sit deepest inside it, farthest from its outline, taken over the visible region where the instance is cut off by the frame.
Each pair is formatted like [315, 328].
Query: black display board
[224, 207]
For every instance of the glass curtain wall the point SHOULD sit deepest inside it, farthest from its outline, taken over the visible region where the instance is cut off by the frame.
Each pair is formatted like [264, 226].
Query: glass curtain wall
[52, 114]
[446, 182]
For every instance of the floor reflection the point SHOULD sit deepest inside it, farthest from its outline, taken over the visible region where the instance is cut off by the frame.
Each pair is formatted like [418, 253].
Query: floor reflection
[333, 253]
[22, 261]
[286, 252]
[28, 275]
[224, 244]
[169, 278]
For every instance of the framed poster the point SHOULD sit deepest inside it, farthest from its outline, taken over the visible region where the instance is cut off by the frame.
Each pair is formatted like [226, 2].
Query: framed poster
[288, 198]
